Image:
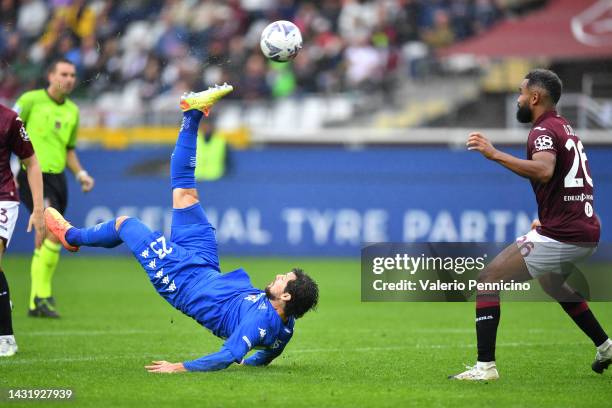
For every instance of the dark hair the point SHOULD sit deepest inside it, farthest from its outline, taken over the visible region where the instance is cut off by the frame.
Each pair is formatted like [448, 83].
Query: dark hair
[57, 61]
[304, 294]
[547, 80]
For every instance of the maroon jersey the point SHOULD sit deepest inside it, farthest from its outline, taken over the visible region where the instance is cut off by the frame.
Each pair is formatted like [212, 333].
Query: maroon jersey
[565, 203]
[13, 139]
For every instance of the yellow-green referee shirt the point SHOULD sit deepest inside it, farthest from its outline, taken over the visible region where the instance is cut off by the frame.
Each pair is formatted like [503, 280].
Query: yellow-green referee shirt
[52, 127]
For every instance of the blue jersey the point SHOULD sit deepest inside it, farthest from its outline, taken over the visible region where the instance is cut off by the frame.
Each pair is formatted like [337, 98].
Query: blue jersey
[185, 271]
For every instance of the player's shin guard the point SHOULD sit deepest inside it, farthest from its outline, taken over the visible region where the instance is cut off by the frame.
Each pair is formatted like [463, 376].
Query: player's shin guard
[6, 322]
[182, 164]
[583, 317]
[101, 235]
[487, 320]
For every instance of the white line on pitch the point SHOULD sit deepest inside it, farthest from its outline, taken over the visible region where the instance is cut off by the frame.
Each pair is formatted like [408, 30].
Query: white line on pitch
[86, 332]
[112, 332]
[428, 346]
[18, 361]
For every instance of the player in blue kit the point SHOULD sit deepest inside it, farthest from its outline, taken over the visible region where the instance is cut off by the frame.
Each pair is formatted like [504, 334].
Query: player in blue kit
[185, 268]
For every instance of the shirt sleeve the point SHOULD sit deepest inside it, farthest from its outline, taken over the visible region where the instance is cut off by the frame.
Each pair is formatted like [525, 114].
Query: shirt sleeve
[23, 106]
[18, 139]
[265, 357]
[73, 136]
[542, 140]
[246, 336]
[212, 362]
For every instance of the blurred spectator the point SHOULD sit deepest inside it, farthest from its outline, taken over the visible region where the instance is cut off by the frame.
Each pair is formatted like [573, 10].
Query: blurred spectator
[28, 72]
[173, 37]
[9, 87]
[441, 34]
[357, 19]
[8, 13]
[252, 84]
[364, 65]
[485, 14]
[461, 20]
[150, 86]
[281, 80]
[211, 153]
[10, 46]
[88, 58]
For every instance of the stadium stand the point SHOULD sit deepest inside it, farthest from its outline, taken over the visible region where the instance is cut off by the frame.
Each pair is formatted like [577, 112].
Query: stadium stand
[388, 56]
[141, 54]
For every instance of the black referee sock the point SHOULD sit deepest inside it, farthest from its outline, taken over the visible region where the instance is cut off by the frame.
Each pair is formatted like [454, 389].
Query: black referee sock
[6, 322]
[487, 320]
[583, 317]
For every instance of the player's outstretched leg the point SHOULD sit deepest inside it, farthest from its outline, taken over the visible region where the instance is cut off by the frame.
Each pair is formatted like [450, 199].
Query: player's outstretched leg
[101, 235]
[182, 164]
[508, 265]
[107, 234]
[578, 310]
[8, 346]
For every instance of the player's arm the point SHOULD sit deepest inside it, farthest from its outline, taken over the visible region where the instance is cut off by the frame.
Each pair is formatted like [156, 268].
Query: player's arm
[37, 220]
[22, 147]
[245, 337]
[540, 168]
[212, 362]
[73, 163]
[263, 357]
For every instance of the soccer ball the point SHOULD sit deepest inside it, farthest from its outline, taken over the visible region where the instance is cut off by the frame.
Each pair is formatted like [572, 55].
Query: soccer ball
[281, 41]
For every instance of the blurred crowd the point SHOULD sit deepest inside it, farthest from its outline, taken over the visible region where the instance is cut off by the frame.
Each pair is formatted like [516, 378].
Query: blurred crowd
[156, 47]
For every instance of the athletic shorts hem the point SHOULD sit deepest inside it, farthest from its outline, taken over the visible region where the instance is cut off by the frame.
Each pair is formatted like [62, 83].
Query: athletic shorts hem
[9, 211]
[544, 255]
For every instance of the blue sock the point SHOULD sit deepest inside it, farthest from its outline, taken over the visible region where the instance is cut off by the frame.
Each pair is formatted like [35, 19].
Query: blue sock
[183, 161]
[100, 235]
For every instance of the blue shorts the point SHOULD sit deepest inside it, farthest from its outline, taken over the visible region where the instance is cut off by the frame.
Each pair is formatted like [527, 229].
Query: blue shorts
[175, 265]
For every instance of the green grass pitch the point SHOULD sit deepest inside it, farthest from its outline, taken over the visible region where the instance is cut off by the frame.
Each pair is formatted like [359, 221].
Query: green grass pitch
[347, 354]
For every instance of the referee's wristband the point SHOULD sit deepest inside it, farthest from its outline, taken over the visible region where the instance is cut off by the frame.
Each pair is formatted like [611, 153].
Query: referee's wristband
[81, 174]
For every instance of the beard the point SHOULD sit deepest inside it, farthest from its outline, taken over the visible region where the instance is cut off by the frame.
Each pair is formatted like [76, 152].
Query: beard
[524, 114]
[269, 294]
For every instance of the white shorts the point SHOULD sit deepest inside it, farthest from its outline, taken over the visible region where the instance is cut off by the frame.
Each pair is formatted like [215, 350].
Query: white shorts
[9, 210]
[544, 255]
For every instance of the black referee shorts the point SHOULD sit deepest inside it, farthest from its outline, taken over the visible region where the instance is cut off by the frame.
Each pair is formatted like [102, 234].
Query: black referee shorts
[55, 191]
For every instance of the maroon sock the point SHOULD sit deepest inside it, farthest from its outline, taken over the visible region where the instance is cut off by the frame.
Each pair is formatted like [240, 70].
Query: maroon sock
[6, 323]
[584, 318]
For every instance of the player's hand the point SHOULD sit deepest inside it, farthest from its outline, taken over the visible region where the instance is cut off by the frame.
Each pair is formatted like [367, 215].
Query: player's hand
[535, 224]
[477, 141]
[37, 220]
[165, 367]
[87, 182]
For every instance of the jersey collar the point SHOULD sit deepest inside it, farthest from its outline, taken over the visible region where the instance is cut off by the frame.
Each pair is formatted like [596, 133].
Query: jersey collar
[53, 100]
[545, 115]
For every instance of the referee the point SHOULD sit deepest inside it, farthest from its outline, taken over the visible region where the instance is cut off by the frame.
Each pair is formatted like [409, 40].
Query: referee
[52, 122]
